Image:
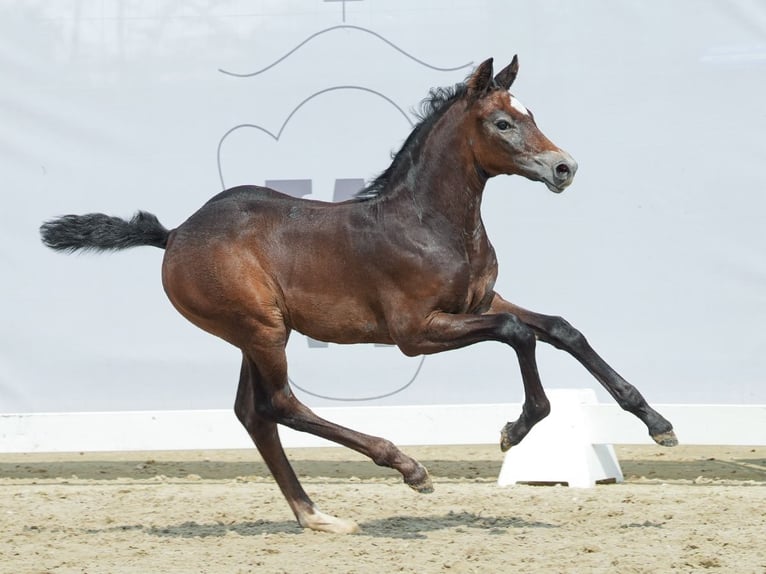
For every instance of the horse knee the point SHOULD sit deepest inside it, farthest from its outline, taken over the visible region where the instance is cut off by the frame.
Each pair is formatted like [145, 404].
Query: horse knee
[562, 333]
[516, 333]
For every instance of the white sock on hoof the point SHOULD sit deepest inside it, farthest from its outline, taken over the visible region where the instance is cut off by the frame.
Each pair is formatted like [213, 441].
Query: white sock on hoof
[318, 520]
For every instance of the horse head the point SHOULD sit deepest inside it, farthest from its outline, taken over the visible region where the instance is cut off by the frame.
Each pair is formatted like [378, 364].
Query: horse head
[506, 139]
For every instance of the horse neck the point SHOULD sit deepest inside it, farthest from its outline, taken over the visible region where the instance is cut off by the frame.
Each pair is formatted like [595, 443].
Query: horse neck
[443, 178]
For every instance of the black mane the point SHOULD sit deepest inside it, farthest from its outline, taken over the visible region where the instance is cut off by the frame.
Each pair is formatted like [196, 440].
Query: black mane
[431, 109]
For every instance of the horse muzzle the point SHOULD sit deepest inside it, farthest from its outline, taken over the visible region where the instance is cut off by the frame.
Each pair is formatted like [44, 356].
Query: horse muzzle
[561, 174]
[556, 169]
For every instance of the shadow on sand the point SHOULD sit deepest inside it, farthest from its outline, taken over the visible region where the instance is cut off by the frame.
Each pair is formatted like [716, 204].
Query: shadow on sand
[396, 527]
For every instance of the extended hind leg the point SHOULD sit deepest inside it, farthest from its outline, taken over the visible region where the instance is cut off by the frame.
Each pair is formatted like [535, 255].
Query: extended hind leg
[265, 435]
[265, 399]
[559, 333]
[290, 412]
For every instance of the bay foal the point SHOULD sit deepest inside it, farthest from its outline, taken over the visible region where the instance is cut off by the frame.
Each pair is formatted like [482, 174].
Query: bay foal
[407, 262]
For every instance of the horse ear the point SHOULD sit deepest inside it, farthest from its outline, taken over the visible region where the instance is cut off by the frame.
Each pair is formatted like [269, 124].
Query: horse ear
[507, 75]
[481, 79]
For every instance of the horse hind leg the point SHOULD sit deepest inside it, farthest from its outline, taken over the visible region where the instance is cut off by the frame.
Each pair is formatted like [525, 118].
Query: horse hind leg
[268, 367]
[381, 451]
[265, 435]
[264, 399]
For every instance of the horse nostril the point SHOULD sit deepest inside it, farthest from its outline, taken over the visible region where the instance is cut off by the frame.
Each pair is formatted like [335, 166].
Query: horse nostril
[563, 170]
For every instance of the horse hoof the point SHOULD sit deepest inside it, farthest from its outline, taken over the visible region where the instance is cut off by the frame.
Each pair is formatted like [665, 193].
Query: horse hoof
[425, 487]
[666, 438]
[505, 438]
[326, 523]
[422, 483]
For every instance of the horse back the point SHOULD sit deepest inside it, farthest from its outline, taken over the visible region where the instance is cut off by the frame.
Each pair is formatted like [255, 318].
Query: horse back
[255, 252]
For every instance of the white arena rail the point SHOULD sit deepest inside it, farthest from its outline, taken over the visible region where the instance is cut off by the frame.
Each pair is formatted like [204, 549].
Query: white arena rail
[404, 425]
[573, 445]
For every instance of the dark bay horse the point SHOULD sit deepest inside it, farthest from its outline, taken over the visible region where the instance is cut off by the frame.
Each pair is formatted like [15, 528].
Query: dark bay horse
[407, 262]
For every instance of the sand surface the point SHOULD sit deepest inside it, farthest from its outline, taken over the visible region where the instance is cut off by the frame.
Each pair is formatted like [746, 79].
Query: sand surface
[688, 509]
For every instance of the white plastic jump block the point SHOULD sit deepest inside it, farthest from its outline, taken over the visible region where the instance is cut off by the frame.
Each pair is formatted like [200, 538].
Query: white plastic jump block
[560, 448]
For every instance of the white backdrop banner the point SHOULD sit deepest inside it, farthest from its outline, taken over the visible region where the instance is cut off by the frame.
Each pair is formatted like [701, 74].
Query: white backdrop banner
[657, 252]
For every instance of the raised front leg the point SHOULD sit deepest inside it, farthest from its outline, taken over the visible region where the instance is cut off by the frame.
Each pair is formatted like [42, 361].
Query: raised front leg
[559, 333]
[445, 331]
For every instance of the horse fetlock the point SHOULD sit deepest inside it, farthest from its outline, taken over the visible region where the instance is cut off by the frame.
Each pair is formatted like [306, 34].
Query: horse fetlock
[536, 410]
[385, 453]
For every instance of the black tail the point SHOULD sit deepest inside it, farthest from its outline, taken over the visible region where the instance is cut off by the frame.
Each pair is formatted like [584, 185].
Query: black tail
[99, 232]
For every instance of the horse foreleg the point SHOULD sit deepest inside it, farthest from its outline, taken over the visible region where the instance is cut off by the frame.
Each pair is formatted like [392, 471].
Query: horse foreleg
[445, 331]
[266, 438]
[559, 333]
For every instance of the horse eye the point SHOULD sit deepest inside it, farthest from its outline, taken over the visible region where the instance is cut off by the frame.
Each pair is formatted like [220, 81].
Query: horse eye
[502, 125]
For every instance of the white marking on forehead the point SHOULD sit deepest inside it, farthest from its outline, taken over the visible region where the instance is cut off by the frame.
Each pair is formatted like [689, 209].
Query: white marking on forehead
[518, 106]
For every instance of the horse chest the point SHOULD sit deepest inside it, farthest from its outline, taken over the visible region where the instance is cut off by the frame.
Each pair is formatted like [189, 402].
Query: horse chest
[473, 280]
[481, 284]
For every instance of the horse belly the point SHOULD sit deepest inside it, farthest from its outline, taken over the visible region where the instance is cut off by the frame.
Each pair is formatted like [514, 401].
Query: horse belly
[336, 317]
